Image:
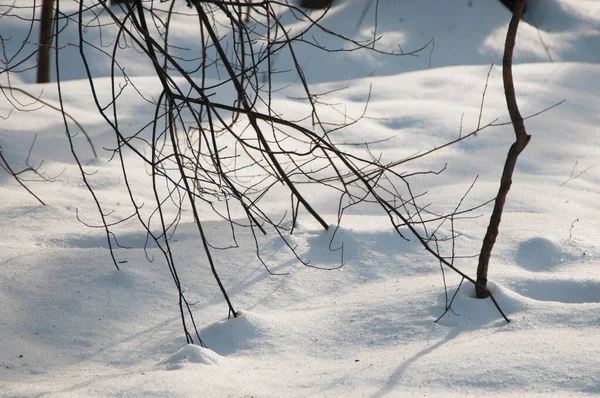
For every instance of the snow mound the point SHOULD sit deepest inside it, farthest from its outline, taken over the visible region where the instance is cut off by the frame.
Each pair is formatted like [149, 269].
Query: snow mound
[191, 354]
[540, 254]
[246, 332]
[470, 313]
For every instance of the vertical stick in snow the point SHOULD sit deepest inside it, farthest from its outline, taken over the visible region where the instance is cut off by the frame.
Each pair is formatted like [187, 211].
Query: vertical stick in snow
[521, 141]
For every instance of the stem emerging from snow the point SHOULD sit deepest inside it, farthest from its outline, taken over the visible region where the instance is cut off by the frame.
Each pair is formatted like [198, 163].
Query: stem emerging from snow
[521, 141]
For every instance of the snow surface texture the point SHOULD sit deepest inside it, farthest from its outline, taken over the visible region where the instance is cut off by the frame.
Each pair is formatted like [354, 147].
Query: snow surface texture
[71, 325]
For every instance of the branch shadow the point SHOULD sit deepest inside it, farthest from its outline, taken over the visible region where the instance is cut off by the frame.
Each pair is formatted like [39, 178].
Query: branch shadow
[396, 378]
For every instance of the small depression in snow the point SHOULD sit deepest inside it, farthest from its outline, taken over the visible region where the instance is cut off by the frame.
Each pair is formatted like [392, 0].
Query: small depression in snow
[562, 291]
[540, 254]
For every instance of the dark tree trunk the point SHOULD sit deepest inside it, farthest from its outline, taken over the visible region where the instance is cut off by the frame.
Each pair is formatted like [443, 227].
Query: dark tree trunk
[315, 4]
[521, 141]
[510, 4]
[43, 71]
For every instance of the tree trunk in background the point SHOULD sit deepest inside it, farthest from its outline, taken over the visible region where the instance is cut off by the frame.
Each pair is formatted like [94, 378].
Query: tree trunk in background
[521, 141]
[43, 71]
[510, 4]
[315, 4]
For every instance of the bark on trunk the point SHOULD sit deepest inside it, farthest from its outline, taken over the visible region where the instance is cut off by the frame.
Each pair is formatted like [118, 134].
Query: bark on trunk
[43, 71]
[521, 141]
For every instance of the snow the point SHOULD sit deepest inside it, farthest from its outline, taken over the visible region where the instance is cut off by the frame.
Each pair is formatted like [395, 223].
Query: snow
[71, 325]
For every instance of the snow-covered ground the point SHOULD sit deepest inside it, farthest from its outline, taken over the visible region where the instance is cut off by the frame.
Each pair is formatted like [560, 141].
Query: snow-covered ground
[71, 325]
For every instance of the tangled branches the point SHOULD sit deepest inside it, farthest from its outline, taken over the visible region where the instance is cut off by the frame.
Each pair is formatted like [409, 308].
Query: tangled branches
[213, 139]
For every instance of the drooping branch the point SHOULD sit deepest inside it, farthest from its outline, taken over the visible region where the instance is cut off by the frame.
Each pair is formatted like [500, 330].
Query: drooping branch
[244, 102]
[49, 105]
[219, 142]
[15, 174]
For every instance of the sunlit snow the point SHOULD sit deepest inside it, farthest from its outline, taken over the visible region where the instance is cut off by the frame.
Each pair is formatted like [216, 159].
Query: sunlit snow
[73, 326]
